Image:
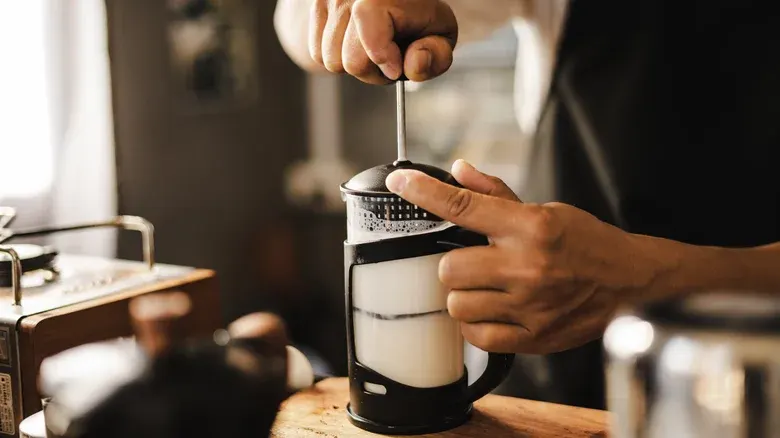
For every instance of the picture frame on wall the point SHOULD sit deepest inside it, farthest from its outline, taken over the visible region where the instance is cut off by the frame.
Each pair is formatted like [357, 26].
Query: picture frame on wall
[213, 53]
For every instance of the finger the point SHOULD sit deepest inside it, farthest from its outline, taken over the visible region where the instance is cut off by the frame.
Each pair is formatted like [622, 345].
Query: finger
[377, 33]
[476, 306]
[333, 37]
[471, 178]
[478, 267]
[477, 212]
[318, 17]
[427, 58]
[497, 337]
[356, 61]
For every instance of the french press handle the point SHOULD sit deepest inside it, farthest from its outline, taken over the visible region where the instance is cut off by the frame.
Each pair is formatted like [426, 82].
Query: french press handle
[499, 364]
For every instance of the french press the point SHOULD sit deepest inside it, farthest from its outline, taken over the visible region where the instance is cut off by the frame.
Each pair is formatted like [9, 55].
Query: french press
[406, 366]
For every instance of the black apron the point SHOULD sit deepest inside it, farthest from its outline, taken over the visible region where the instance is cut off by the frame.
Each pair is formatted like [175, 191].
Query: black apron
[664, 119]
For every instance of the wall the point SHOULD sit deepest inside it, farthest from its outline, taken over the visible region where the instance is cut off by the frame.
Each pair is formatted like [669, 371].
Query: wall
[212, 181]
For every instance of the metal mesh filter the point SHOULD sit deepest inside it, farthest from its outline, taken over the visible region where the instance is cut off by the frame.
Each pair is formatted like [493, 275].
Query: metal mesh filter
[392, 208]
[387, 215]
[373, 212]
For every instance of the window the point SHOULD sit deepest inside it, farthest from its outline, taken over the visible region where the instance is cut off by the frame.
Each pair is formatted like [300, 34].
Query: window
[26, 154]
[56, 121]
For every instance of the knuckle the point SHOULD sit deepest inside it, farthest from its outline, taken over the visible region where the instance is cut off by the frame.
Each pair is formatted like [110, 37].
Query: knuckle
[360, 8]
[333, 65]
[374, 78]
[545, 226]
[536, 278]
[496, 181]
[506, 270]
[356, 66]
[459, 202]
[380, 55]
[542, 268]
[316, 56]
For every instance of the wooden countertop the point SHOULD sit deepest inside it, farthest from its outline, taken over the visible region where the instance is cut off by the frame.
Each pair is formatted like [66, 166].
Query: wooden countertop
[319, 413]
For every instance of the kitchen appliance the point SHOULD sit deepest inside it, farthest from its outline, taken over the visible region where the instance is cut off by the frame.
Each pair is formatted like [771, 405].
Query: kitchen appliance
[703, 366]
[406, 365]
[156, 385]
[51, 302]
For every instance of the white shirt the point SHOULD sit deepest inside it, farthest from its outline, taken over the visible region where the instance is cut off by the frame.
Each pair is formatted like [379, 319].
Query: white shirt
[538, 25]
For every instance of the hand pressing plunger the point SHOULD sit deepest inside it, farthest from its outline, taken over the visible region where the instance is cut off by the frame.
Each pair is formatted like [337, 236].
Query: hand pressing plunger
[361, 37]
[552, 276]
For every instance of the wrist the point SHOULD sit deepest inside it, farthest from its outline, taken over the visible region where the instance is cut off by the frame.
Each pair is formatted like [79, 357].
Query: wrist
[677, 269]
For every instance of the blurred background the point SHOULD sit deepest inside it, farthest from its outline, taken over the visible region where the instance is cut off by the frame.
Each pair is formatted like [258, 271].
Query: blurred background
[188, 113]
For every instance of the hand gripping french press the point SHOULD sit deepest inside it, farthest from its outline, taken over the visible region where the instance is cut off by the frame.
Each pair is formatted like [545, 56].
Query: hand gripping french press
[406, 366]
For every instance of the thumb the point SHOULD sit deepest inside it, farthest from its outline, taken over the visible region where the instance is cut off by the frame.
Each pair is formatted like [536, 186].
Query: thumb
[471, 178]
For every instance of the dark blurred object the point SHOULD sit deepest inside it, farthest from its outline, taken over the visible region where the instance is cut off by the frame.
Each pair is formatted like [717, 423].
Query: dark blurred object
[293, 272]
[213, 53]
[168, 386]
[158, 320]
[191, 9]
[194, 391]
[707, 365]
[53, 302]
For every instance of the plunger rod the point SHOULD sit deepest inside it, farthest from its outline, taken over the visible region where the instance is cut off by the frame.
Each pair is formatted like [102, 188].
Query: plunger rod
[400, 92]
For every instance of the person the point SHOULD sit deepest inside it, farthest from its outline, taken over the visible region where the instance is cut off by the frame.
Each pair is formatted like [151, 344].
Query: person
[658, 119]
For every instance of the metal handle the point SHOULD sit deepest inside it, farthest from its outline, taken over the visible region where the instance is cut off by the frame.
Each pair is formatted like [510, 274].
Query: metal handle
[130, 223]
[498, 367]
[16, 274]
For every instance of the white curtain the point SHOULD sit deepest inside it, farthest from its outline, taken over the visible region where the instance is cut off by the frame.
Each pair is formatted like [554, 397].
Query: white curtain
[56, 126]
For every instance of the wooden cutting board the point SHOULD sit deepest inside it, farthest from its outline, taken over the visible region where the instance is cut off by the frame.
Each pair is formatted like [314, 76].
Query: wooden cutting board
[319, 413]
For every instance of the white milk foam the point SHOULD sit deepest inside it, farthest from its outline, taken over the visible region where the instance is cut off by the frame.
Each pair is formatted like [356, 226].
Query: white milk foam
[401, 325]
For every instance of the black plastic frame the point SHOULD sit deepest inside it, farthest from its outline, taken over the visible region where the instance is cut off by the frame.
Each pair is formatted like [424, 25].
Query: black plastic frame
[405, 410]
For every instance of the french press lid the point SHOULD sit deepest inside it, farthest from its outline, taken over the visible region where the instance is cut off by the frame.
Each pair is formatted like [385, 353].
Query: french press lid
[373, 208]
[372, 181]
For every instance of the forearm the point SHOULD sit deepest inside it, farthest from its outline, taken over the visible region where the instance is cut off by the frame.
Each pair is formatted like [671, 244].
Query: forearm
[685, 269]
[291, 21]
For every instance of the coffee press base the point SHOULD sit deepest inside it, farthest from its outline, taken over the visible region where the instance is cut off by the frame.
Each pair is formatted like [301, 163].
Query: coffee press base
[435, 426]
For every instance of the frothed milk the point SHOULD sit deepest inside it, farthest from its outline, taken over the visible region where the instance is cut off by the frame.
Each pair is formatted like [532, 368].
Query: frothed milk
[401, 326]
